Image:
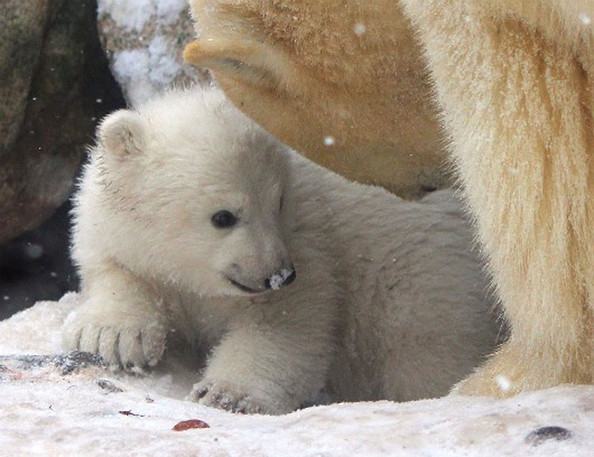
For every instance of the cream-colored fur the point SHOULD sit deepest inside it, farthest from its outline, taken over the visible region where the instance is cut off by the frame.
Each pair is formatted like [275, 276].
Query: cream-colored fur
[324, 77]
[515, 80]
[389, 300]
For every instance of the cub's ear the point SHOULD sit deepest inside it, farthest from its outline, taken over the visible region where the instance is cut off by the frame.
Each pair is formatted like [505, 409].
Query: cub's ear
[123, 133]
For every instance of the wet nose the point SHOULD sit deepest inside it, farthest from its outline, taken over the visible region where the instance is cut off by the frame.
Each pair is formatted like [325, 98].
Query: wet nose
[283, 277]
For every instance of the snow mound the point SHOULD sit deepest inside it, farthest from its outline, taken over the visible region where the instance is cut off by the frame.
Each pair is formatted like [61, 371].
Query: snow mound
[144, 40]
[56, 404]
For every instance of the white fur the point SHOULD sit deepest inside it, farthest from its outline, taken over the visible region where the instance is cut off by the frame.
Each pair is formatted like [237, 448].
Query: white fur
[389, 300]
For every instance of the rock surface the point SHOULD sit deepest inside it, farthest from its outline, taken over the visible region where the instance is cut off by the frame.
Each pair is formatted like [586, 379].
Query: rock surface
[55, 84]
[144, 40]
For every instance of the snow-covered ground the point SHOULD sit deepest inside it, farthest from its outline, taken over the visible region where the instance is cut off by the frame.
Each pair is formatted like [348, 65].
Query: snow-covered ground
[50, 407]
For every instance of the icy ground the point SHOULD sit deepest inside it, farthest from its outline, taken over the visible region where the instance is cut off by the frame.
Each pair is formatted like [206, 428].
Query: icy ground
[49, 406]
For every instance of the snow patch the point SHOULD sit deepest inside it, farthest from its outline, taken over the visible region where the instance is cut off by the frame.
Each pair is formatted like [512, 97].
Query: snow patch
[144, 69]
[162, 59]
[277, 280]
[144, 40]
[68, 404]
[134, 15]
[132, 65]
[131, 15]
[171, 10]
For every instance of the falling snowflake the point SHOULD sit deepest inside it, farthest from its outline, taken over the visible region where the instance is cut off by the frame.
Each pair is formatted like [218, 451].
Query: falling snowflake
[586, 20]
[34, 251]
[359, 29]
[503, 383]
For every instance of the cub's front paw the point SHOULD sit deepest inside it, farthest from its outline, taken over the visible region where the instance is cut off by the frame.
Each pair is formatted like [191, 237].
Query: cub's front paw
[126, 344]
[223, 396]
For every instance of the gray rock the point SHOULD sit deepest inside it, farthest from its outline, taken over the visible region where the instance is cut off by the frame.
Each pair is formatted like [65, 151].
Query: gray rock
[22, 25]
[549, 433]
[144, 40]
[52, 71]
[65, 364]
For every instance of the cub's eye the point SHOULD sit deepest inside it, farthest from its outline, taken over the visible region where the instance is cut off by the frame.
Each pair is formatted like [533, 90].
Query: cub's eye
[223, 219]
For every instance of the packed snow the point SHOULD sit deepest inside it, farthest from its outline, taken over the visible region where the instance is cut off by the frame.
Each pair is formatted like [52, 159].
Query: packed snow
[134, 15]
[143, 40]
[56, 404]
[147, 68]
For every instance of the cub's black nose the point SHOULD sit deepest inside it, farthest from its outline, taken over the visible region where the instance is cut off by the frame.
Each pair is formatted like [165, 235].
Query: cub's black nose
[290, 278]
[280, 279]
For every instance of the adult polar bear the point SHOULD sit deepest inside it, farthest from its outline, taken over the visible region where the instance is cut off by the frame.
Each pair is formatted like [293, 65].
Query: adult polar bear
[515, 83]
[320, 76]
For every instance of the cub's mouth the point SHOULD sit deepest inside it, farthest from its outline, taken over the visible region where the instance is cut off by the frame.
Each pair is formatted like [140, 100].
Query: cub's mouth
[243, 287]
[281, 278]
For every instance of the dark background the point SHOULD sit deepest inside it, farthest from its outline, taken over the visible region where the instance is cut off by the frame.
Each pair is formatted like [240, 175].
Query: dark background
[36, 265]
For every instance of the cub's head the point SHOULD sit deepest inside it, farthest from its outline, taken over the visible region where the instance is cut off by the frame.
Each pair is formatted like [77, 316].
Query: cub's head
[199, 193]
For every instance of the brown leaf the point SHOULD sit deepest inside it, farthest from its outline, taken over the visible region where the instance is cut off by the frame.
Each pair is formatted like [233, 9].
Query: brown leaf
[191, 423]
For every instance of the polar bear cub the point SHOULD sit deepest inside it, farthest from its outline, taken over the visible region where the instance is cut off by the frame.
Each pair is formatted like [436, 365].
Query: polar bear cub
[192, 219]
